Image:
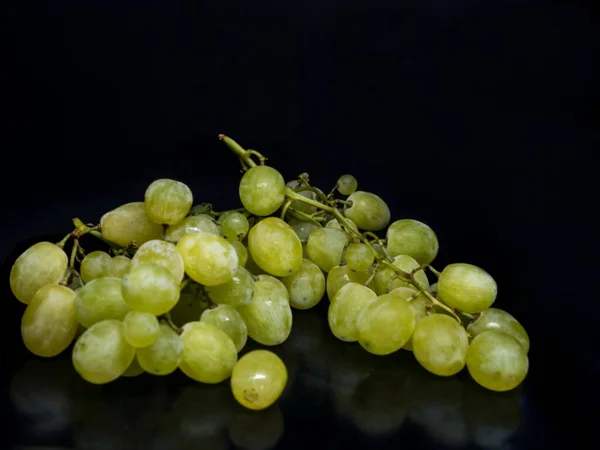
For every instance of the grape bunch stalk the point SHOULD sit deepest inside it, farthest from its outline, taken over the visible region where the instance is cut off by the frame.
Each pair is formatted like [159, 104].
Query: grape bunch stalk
[184, 287]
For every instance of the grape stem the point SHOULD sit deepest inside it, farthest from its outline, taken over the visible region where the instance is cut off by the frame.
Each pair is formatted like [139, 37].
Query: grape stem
[183, 284]
[437, 273]
[74, 253]
[286, 206]
[244, 155]
[169, 321]
[64, 240]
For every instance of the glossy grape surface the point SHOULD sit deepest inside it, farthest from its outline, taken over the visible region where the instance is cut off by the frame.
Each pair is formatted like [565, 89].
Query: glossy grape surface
[499, 320]
[129, 223]
[368, 211]
[262, 190]
[413, 238]
[306, 287]
[168, 201]
[230, 321]
[192, 224]
[95, 265]
[467, 287]
[275, 247]
[164, 355]
[325, 247]
[100, 299]
[346, 308]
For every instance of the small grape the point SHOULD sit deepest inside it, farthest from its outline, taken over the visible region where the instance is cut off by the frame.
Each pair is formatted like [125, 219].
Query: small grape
[413, 238]
[140, 328]
[94, 265]
[433, 288]
[235, 225]
[192, 224]
[262, 190]
[346, 309]
[168, 201]
[236, 292]
[499, 320]
[241, 251]
[230, 321]
[333, 223]
[341, 275]
[303, 229]
[159, 252]
[359, 257]
[386, 279]
[368, 211]
[118, 267]
[467, 287]
[418, 303]
[325, 247]
[150, 288]
[101, 299]
[164, 355]
[129, 223]
[306, 287]
[347, 184]
[134, 369]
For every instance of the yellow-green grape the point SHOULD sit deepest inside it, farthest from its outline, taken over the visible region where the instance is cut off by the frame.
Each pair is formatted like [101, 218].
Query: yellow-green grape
[129, 223]
[189, 307]
[236, 292]
[346, 308]
[164, 355]
[192, 224]
[325, 247]
[499, 320]
[413, 238]
[94, 265]
[118, 267]
[299, 205]
[258, 379]
[467, 287]
[333, 223]
[341, 275]
[275, 247]
[306, 287]
[359, 257]
[252, 267]
[418, 303]
[262, 190]
[440, 344]
[497, 361]
[230, 321]
[140, 328]
[268, 316]
[235, 225]
[42, 263]
[386, 279]
[101, 354]
[134, 369]
[168, 201]
[368, 211]
[241, 251]
[208, 259]
[100, 299]
[208, 353]
[49, 324]
[162, 253]
[150, 288]
[347, 184]
[303, 229]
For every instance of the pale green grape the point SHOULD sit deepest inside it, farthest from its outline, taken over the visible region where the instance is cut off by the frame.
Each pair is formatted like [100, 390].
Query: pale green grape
[303, 229]
[386, 279]
[368, 211]
[159, 252]
[208, 353]
[164, 355]
[268, 316]
[235, 225]
[299, 205]
[440, 344]
[346, 308]
[189, 307]
[275, 247]
[347, 184]
[95, 265]
[467, 287]
[150, 288]
[359, 257]
[341, 275]
[419, 304]
[192, 224]
[306, 287]
[241, 251]
[168, 201]
[140, 328]
[118, 267]
[134, 369]
[42, 263]
[129, 223]
[236, 292]
[208, 259]
[262, 190]
[433, 288]
[333, 223]
[230, 321]
[499, 320]
[413, 238]
[101, 354]
[325, 247]
[49, 324]
[497, 361]
[258, 379]
[100, 299]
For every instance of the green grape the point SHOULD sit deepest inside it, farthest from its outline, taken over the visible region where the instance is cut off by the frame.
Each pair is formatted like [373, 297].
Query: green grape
[168, 201]
[346, 309]
[42, 263]
[150, 288]
[236, 292]
[101, 354]
[299, 205]
[235, 225]
[440, 344]
[230, 321]
[325, 247]
[386, 279]
[118, 267]
[433, 288]
[189, 307]
[268, 316]
[192, 224]
[159, 252]
[347, 184]
[241, 251]
[467, 287]
[258, 379]
[359, 257]
[499, 320]
[306, 287]
[100, 299]
[140, 328]
[419, 304]
[49, 324]
[368, 211]
[303, 229]
[333, 223]
[252, 267]
[497, 361]
[413, 238]
[134, 369]
[208, 259]
[164, 355]
[129, 223]
[94, 265]
[208, 353]
[341, 275]
[275, 247]
[262, 190]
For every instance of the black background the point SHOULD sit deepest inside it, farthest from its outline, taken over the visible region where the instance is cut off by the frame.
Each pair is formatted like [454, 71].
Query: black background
[479, 118]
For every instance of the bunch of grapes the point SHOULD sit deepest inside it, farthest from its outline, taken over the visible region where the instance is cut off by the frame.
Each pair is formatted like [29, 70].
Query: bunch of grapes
[184, 287]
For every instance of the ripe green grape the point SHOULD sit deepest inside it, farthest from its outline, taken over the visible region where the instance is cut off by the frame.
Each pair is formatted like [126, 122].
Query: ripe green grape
[118, 267]
[333, 223]
[433, 288]
[258, 379]
[42, 263]
[134, 369]
[150, 288]
[413, 238]
[347, 184]
[100, 299]
[235, 225]
[164, 355]
[346, 309]
[341, 275]
[262, 190]
[208, 353]
[499, 320]
[129, 223]
[230, 321]
[275, 247]
[467, 287]
[208, 259]
[241, 251]
[299, 205]
[101, 354]
[359, 257]
[168, 201]
[140, 328]
[497, 361]
[236, 292]
[306, 287]
[95, 265]
[192, 224]
[159, 252]
[419, 304]
[325, 247]
[386, 279]
[303, 229]
[440, 344]
[368, 211]
[49, 324]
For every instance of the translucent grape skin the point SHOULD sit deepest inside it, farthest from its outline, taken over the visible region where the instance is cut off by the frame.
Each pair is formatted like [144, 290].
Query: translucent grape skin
[359, 257]
[302, 229]
[325, 247]
[497, 361]
[168, 201]
[236, 292]
[258, 379]
[140, 329]
[129, 223]
[150, 288]
[118, 267]
[346, 309]
[341, 275]
[413, 238]
[262, 190]
[386, 279]
[306, 287]
[162, 253]
[368, 211]
[467, 288]
[347, 184]
[95, 265]
[235, 225]
[499, 320]
[192, 224]
[333, 223]
[241, 251]
[164, 355]
[230, 321]
[100, 299]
